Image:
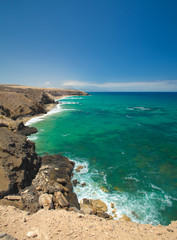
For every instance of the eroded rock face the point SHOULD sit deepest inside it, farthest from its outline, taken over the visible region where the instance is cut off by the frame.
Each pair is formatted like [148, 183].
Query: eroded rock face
[19, 101]
[18, 162]
[15, 105]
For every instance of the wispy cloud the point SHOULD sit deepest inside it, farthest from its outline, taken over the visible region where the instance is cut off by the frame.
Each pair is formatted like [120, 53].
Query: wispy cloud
[47, 84]
[168, 85]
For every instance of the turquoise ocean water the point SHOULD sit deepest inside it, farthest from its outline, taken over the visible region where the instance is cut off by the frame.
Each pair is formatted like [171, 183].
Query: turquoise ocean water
[127, 143]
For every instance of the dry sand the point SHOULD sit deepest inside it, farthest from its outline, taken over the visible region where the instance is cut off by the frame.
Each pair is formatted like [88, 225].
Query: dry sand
[63, 225]
[49, 107]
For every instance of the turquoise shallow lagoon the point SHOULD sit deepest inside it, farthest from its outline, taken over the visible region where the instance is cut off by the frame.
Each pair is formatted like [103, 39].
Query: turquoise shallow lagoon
[127, 143]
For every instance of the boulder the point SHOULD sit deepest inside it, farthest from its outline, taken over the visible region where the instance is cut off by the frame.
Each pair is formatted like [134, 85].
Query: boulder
[60, 200]
[112, 205]
[99, 205]
[104, 215]
[83, 184]
[46, 201]
[94, 207]
[87, 209]
[62, 181]
[104, 189]
[75, 182]
[124, 218]
[79, 168]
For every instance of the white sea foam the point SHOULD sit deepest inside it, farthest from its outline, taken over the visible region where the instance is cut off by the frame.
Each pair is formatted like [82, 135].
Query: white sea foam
[142, 207]
[128, 116]
[139, 108]
[155, 187]
[54, 110]
[65, 103]
[132, 178]
[65, 135]
[33, 137]
[75, 98]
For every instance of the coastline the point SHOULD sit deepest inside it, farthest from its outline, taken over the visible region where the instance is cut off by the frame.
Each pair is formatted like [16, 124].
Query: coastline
[49, 107]
[18, 223]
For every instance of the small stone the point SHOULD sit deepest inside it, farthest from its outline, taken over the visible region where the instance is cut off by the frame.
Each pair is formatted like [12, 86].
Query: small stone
[169, 230]
[62, 181]
[125, 218]
[114, 210]
[31, 234]
[99, 205]
[79, 168]
[83, 184]
[38, 188]
[13, 198]
[112, 205]
[2, 234]
[75, 182]
[103, 215]
[104, 189]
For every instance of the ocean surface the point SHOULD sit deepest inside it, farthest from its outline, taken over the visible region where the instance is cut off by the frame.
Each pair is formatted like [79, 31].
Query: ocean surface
[127, 143]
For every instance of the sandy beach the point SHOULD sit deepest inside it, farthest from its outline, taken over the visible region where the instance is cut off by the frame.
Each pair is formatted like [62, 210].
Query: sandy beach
[49, 107]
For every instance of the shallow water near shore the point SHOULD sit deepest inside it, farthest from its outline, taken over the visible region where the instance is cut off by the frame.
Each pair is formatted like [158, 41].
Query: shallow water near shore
[126, 143]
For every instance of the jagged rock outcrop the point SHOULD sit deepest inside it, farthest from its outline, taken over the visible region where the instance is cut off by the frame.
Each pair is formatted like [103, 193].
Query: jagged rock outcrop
[16, 126]
[19, 162]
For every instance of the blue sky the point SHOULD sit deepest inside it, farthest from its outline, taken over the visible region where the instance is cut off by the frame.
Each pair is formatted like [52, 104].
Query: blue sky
[93, 45]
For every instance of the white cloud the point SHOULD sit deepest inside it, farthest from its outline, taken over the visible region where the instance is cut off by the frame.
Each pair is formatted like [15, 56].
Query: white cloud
[47, 83]
[168, 85]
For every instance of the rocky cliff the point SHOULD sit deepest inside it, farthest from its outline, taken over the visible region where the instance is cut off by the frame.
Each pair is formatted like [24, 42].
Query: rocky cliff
[19, 162]
[35, 181]
[19, 101]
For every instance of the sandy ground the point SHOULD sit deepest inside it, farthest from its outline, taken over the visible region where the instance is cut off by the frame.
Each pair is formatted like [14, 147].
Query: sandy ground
[63, 225]
[48, 108]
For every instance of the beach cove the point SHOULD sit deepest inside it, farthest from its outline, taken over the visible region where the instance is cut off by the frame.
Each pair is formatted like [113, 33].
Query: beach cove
[89, 176]
[141, 133]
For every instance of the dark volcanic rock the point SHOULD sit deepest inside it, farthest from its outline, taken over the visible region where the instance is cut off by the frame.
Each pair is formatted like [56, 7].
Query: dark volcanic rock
[19, 162]
[25, 130]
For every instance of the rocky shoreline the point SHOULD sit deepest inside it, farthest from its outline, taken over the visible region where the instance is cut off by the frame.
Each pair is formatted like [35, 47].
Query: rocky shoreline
[30, 182]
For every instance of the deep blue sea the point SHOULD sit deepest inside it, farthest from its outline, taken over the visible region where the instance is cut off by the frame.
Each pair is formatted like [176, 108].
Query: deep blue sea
[127, 143]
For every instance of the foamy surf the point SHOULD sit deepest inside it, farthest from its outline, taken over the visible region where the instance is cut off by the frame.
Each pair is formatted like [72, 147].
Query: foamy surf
[142, 207]
[54, 110]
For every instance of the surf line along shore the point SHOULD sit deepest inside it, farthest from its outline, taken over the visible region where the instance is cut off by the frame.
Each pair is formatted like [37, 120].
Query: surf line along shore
[36, 181]
[88, 206]
[31, 182]
[53, 179]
